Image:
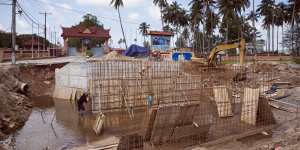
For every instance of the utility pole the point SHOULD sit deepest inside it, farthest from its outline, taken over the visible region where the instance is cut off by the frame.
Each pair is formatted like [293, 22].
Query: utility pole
[45, 28]
[38, 40]
[32, 39]
[13, 32]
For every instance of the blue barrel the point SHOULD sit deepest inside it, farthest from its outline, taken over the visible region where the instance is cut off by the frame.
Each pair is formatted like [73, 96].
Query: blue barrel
[175, 56]
[187, 56]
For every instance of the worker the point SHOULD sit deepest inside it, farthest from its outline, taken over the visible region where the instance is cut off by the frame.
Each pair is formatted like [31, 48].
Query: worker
[81, 101]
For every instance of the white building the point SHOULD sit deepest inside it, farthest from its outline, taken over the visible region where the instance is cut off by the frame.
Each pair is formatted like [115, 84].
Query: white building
[260, 44]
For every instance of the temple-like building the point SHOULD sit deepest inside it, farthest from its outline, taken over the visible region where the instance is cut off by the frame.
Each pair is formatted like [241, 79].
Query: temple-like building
[79, 39]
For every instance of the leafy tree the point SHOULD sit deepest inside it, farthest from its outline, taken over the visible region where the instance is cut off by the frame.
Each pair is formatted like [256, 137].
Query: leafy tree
[90, 20]
[5, 40]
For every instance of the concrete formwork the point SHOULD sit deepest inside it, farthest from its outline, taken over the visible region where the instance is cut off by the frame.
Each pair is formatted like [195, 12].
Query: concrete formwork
[160, 103]
[71, 77]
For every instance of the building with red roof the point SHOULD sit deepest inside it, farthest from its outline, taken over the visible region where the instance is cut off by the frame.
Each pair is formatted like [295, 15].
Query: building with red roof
[78, 39]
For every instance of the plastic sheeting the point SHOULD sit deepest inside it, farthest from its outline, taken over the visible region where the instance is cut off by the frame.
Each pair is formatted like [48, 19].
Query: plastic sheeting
[137, 51]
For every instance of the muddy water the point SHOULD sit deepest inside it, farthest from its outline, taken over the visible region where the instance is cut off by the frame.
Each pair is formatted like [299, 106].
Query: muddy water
[54, 124]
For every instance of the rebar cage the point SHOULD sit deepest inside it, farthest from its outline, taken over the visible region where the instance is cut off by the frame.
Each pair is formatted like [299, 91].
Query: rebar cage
[160, 102]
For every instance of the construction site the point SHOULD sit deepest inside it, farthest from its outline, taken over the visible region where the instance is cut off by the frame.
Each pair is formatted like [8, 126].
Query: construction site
[150, 104]
[210, 77]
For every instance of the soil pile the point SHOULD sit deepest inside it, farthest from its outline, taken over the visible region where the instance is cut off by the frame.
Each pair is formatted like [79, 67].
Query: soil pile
[15, 106]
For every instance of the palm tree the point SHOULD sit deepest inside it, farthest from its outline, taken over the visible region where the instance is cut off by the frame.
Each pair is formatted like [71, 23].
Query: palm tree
[294, 8]
[144, 29]
[117, 4]
[280, 17]
[196, 17]
[231, 12]
[175, 15]
[161, 4]
[265, 9]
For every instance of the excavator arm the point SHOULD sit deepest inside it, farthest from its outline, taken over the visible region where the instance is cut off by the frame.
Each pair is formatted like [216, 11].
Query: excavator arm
[224, 47]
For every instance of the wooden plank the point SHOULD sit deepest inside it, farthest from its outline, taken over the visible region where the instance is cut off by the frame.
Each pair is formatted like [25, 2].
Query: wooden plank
[222, 100]
[99, 124]
[250, 106]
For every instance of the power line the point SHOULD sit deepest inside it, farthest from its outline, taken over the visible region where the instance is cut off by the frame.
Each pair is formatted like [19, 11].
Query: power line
[5, 4]
[85, 12]
[28, 15]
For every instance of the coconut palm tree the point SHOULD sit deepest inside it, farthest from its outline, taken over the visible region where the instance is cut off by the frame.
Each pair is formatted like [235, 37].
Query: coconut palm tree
[196, 18]
[175, 15]
[280, 17]
[161, 4]
[265, 9]
[196, 15]
[231, 12]
[117, 4]
[144, 29]
[294, 9]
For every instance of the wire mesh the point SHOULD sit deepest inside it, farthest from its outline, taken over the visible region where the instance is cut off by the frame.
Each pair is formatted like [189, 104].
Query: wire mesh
[159, 103]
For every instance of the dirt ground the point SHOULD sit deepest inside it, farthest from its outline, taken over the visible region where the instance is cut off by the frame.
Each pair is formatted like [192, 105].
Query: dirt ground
[16, 105]
[286, 135]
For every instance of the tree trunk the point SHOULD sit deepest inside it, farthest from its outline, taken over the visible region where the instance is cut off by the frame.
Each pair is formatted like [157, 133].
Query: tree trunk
[277, 39]
[269, 40]
[203, 42]
[227, 31]
[282, 46]
[161, 18]
[122, 28]
[272, 37]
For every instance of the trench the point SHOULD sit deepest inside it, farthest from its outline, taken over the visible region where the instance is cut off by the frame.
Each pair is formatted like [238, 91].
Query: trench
[53, 124]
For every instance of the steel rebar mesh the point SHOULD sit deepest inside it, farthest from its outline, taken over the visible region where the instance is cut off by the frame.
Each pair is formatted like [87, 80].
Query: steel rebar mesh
[185, 109]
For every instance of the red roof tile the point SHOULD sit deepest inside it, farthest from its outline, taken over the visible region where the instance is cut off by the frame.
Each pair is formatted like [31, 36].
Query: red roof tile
[79, 31]
[164, 33]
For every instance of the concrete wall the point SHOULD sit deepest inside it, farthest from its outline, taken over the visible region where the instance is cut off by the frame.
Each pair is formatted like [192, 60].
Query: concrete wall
[70, 78]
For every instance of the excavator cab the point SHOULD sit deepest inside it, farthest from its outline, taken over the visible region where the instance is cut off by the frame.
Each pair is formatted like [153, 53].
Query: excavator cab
[240, 44]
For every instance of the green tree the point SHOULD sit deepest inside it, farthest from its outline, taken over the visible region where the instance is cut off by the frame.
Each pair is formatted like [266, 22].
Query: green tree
[144, 29]
[265, 9]
[280, 18]
[90, 20]
[117, 4]
[161, 4]
[5, 40]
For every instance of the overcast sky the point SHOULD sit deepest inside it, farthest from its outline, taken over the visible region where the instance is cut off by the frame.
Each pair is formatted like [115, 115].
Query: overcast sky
[69, 12]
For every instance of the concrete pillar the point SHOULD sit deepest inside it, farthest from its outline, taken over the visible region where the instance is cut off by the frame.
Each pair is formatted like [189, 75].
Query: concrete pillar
[66, 46]
[106, 47]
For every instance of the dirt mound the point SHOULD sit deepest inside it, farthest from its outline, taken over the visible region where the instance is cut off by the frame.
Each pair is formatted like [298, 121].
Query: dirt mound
[15, 104]
[40, 78]
[15, 107]
[115, 55]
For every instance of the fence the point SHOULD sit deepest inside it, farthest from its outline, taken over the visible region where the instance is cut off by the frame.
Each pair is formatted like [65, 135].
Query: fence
[161, 103]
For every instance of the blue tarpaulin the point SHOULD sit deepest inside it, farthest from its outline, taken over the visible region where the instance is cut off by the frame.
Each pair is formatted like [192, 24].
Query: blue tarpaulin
[137, 51]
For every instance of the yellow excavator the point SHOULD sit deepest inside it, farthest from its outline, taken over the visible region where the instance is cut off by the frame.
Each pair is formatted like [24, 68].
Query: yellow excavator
[227, 46]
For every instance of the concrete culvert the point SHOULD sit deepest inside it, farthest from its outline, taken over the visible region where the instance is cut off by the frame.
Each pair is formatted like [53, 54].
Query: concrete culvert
[23, 87]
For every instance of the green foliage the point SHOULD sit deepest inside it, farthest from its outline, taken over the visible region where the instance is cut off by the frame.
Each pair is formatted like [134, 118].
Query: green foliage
[74, 42]
[144, 28]
[89, 53]
[5, 40]
[117, 3]
[90, 20]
